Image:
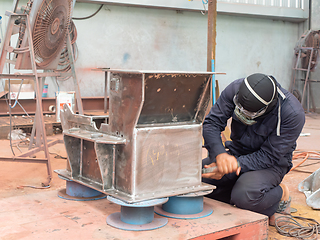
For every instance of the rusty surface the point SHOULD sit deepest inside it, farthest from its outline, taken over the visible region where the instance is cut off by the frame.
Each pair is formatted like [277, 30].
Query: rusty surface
[211, 43]
[89, 104]
[26, 124]
[47, 216]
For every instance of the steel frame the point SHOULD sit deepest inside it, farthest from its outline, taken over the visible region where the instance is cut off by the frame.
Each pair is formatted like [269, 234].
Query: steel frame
[38, 126]
[307, 93]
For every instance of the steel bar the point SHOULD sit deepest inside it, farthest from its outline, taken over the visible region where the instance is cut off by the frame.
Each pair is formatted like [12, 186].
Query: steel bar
[28, 75]
[38, 149]
[24, 159]
[74, 76]
[40, 127]
[306, 82]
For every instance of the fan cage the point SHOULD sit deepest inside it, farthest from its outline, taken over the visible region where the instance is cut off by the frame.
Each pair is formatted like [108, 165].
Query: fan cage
[50, 29]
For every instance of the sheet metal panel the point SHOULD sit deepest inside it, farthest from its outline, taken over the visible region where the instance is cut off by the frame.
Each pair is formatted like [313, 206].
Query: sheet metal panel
[167, 158]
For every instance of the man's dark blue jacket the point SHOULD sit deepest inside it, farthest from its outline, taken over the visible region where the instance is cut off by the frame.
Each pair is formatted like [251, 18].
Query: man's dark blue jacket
[258, 146]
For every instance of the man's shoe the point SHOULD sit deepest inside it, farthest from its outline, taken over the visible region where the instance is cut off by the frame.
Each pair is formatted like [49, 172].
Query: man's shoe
[284, 207]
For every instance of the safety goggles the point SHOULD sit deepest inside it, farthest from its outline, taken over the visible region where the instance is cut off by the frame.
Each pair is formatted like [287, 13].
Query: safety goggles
[245, 113]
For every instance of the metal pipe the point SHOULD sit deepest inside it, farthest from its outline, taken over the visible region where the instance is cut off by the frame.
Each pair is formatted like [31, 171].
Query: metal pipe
[211, 46]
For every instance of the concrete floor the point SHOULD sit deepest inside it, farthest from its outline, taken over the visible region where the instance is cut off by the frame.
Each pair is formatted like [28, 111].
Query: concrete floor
[23, 206]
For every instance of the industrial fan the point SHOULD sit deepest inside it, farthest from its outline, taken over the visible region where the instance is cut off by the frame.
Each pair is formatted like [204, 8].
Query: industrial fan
[64, 62]
[49, 20]
[43, 44]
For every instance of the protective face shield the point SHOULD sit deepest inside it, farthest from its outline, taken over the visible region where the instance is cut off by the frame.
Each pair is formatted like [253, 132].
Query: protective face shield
[256, 95]
[245, 116]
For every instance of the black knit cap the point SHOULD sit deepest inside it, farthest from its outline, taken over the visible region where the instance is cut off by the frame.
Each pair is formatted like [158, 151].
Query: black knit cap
[263, 86]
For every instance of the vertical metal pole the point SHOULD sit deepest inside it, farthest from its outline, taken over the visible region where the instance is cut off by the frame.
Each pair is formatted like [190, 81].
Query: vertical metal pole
[33, 132]
[15, 5]
[74, 76]
[106, 90]
[308, 98]
[6, 43]
[3, 58]
[211, 47]
[311, 97]
[81, 159]
[40, 130]
[295, 69]
[307, 80]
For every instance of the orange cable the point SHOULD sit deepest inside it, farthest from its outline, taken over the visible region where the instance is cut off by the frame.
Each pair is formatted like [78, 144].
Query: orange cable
[305, 156]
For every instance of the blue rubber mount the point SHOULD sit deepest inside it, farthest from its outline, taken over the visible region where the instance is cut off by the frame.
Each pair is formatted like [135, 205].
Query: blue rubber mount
[184, 207]
[75, 189]
[78, 192]
[114, 220]
[136, 216]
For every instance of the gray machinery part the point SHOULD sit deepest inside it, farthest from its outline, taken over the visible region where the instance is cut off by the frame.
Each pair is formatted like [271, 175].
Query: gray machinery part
[311, 188]
[150, 145]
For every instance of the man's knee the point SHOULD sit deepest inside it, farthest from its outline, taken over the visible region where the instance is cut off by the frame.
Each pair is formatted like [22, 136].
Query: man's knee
[243, 196]
[239, 196]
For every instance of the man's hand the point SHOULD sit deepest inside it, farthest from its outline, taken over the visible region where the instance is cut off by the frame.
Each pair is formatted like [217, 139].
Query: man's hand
[227, 163]
[213, 175]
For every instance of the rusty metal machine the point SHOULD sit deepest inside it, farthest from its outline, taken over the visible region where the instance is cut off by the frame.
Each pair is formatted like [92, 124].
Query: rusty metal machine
[306, 61]
[150, 144]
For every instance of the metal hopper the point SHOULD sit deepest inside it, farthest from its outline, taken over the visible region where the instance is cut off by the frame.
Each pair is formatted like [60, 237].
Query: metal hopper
[150, 144]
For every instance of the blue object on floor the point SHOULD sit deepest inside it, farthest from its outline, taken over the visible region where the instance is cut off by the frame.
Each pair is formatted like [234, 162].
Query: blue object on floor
[136, 216]
[78, 192]
[188, 206]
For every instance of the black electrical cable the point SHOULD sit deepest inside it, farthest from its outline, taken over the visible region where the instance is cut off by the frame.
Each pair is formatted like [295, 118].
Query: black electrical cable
[84, 18]
[305, 228]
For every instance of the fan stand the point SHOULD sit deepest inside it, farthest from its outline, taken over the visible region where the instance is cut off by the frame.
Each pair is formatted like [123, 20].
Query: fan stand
[38, 126]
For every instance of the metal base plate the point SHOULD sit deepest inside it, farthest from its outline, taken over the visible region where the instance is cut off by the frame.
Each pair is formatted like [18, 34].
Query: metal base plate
[63, 194]
[147, 203]
[66, 174]
[114, 220]
[207, 210]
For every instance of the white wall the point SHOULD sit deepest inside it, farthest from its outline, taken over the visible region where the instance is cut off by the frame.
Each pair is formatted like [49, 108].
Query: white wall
[163, 39]
[137, 38]
[247, 45]
[158, 39]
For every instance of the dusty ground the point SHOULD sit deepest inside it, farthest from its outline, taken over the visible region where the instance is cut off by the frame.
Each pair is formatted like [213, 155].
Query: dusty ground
[15, 175]
[307, 142]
